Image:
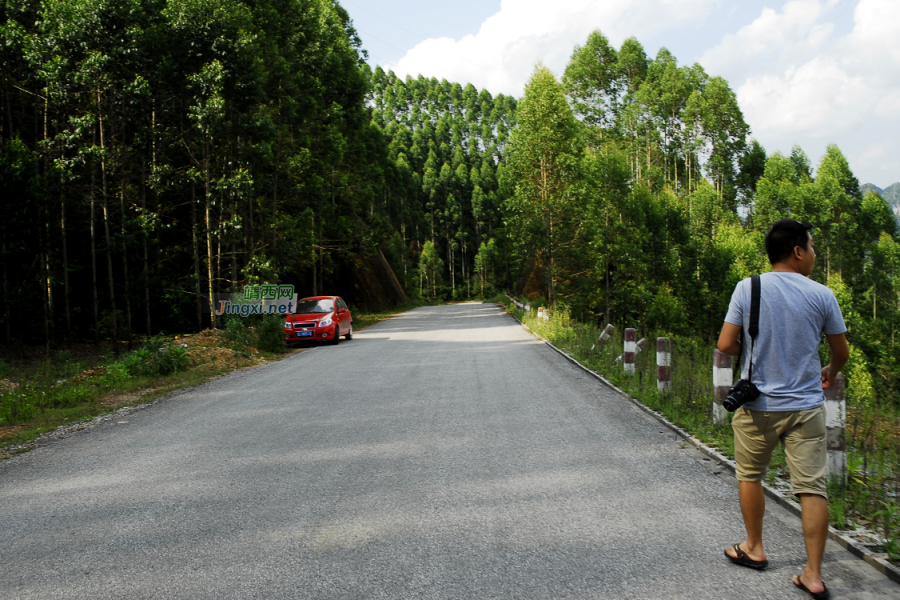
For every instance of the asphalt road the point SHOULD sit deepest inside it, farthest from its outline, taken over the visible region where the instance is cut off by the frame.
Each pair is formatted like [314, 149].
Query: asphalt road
[441, 454]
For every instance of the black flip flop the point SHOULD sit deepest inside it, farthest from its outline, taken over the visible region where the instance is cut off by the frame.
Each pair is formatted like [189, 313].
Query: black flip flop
[744, 560]
[823, 595]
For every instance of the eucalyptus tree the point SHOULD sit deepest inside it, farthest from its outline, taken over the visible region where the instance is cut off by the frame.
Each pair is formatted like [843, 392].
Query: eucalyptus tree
[542, 168]
[157, 129]
[594, 84]
[430, 268]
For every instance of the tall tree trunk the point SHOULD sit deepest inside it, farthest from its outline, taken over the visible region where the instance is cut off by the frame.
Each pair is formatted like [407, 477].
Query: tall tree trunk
[234, 244]
[47, 271]
[252, 249]
[109, 244]
[65, 258]
[45, 287]
[462, 244]
[606, 244]
[675, 163]
[48, 319]
[125, 262]
[312, 219]
[450, 265]
[219, 253]
[403, 253]
[6, 299]
[94, 257]
[195, 244]
[209, 254]
[690, 170]
[146, 275]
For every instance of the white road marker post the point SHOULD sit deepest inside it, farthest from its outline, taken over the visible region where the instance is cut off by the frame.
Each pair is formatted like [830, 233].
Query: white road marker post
[835, 432]
[723, 378]
[663, 362]
[629, 350]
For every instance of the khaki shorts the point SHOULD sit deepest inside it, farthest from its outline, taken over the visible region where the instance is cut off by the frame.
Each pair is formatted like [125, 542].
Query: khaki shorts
[756, 434]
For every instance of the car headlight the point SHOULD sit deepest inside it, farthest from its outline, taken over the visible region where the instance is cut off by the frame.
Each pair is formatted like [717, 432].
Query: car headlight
[325, 322]
[287, 325]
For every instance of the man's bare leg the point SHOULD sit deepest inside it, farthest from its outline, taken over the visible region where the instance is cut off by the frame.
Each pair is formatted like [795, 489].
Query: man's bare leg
[815, 533]
[753, 507]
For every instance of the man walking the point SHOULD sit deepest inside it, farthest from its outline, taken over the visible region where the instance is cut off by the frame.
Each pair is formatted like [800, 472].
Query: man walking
[794, 312]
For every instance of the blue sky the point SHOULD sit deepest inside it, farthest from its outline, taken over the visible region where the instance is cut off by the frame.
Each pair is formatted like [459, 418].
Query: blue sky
[807, 72]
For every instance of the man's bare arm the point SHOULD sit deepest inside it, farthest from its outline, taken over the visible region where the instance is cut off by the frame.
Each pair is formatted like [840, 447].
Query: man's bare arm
[840, 353]
[728, 339]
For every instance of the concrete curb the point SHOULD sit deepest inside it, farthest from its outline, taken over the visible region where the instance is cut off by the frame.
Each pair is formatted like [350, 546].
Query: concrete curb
[878, 561]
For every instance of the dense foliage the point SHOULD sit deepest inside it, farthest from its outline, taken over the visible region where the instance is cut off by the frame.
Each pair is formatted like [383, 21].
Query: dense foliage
[639, 201]
[447, 142]
[154, 152]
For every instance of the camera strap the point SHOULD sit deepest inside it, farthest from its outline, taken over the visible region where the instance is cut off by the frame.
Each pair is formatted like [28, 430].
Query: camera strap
[754, 319]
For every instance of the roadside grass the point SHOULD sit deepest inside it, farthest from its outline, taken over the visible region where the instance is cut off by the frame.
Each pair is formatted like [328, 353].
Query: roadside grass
[870, 501]
[39, 396]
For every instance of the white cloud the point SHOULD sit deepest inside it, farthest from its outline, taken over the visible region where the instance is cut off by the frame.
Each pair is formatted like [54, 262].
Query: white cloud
[793, 33]
[800, 83]
[802, 75]
[502, 55]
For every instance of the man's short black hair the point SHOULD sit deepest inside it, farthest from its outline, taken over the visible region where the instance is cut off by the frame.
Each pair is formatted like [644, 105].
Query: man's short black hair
[784, 236]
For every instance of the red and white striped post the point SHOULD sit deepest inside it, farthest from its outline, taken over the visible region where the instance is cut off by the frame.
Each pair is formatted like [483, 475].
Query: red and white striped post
[663, 362]
[540, 313]
[629, 350]
[604, 335]
[607, 331]
[723, 377]
[835, 422]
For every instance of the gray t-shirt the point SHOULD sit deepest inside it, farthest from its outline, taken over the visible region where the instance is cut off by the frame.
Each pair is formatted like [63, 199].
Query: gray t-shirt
[794, 312]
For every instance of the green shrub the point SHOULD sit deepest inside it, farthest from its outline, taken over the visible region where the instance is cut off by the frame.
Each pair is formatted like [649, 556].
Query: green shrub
[270, 334]
[16, 407]
[117, 373]
[155, 358]
[71, 396]
[136, 363]
[170, 360]
[237, 331]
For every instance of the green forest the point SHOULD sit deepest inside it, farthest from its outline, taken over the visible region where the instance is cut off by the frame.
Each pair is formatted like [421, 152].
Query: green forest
[156, 152]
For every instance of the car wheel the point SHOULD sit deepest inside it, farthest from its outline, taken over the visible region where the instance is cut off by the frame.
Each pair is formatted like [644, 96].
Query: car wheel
[349, 335]
[337, 335]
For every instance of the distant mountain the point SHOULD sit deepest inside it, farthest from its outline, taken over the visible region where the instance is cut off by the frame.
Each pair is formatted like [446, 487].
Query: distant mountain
[891, 195]
[871, 187]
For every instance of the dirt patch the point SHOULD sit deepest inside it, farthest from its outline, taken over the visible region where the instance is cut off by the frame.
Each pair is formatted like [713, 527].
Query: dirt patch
[8, 431]
[89, 373]
[116, 399]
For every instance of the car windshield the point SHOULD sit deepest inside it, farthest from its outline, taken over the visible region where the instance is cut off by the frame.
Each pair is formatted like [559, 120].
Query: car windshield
[309, 307]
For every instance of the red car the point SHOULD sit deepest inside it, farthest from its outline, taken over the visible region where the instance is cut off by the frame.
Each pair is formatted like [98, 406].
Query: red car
[319, 318]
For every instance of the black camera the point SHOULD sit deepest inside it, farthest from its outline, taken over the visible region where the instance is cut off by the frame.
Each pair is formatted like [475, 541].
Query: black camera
[742, 392]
